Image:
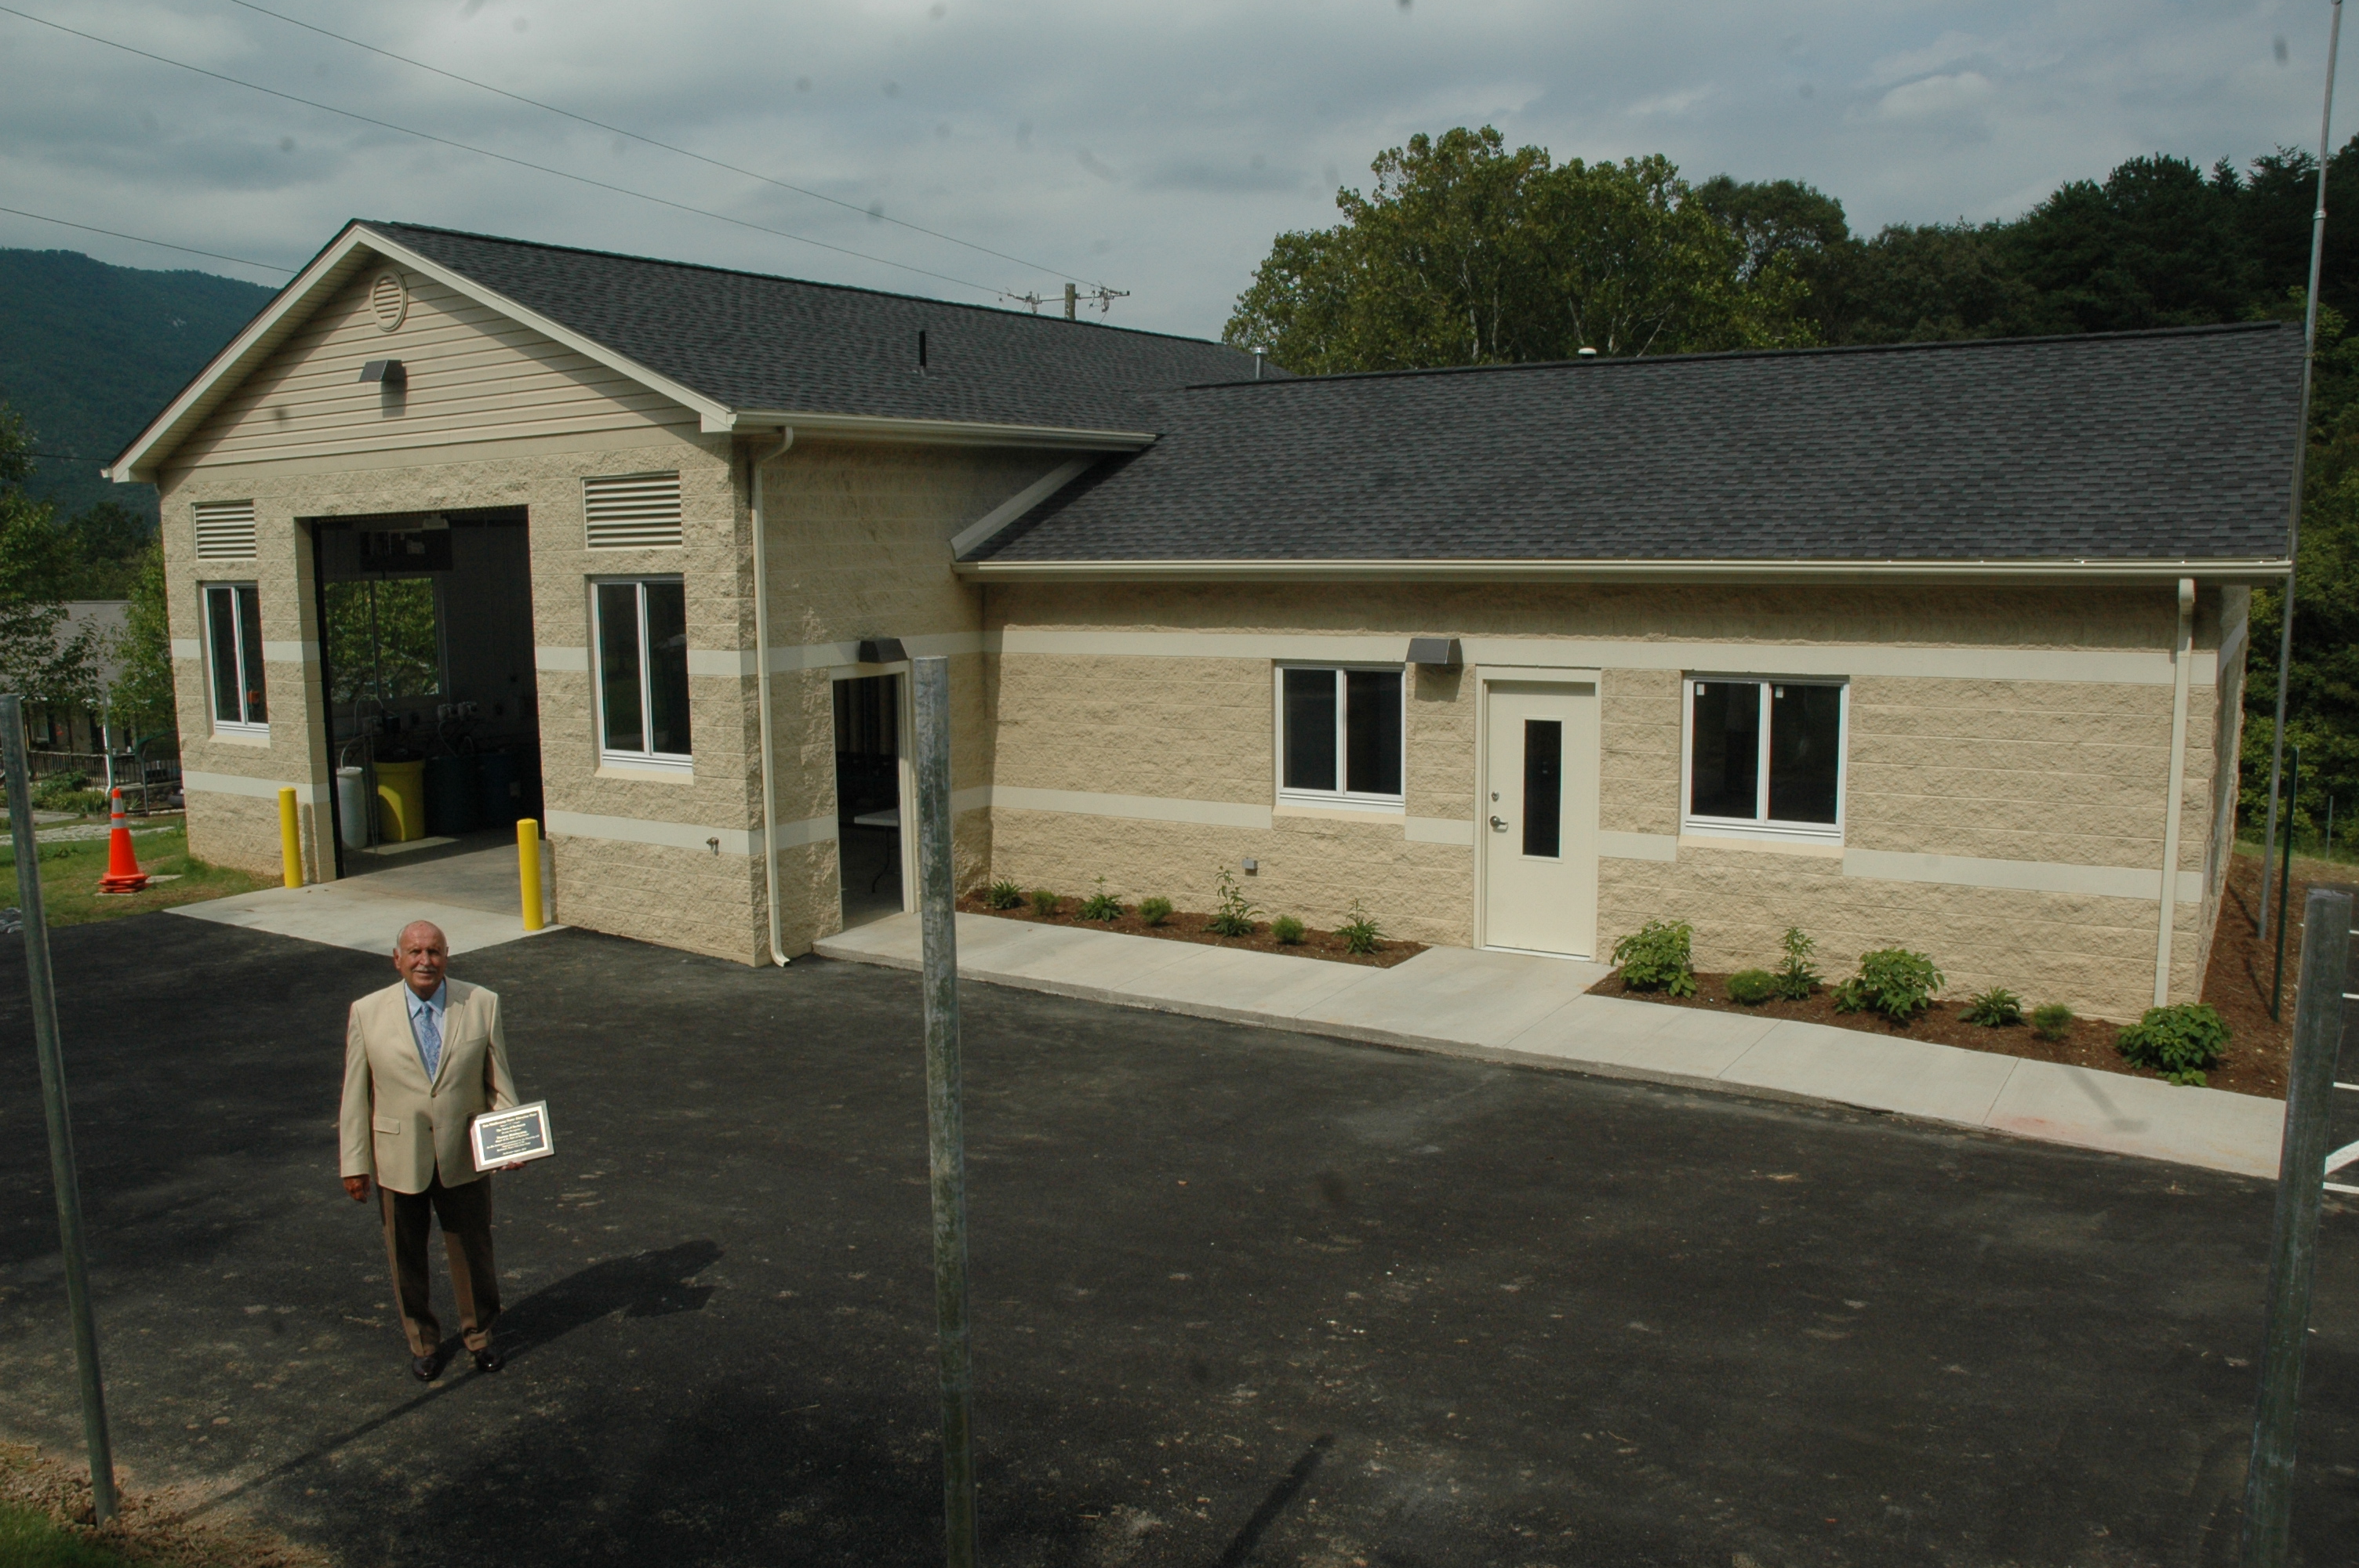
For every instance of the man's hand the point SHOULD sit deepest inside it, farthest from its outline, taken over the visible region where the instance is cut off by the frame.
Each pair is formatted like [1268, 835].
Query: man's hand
[512, 1165]
[356, 1188]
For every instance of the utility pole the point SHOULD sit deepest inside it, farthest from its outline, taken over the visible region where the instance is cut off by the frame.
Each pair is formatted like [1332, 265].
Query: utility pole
[43, 989]
[1072, 293]
[2301, 454]
[930, 681]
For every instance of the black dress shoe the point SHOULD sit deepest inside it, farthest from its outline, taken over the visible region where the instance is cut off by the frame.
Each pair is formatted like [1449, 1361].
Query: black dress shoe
[489, 1360]
[425, 1368]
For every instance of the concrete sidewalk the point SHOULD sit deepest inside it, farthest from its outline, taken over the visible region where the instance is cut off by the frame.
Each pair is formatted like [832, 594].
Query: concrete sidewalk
[1511, 1006]
[472, 896]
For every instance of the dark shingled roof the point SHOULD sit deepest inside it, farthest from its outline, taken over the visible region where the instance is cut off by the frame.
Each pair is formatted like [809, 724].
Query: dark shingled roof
[754, 341]
[2172, 444]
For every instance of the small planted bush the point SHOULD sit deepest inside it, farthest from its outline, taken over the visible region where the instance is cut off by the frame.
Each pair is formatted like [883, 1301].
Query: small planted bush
[1286, 929]
[1751, 988]
[1153, 911]
[1100, 905]
[1044, 903]
[1005, 894]
[1893, 981]
[2180, 1043]
[1658, 957]
[1361, 934]
[2051, 1022]
[1997, 1008]
[1233, 915]
[1798, 977]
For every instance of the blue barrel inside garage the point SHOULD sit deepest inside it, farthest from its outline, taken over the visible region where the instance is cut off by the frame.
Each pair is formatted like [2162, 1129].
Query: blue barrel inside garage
[498, 801]
[451, 794]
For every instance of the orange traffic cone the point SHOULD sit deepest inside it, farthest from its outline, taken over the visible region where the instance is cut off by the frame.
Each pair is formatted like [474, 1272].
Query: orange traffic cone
[123, 872]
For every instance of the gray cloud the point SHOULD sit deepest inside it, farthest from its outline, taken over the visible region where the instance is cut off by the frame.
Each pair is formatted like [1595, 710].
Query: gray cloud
[1143, 123]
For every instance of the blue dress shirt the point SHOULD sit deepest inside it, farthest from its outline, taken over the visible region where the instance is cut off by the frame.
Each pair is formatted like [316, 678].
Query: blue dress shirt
[426, 1024]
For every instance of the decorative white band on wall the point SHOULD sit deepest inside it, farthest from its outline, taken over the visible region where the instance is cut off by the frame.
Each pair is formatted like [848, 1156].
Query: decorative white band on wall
[279, 652]
[2020, 876]
[1616, 845]
[2133, 666]
[725, 661]
[196, 783]
[695, 836]
[184, 647]
[1438, 830]
[1136, 808]
[575, 661]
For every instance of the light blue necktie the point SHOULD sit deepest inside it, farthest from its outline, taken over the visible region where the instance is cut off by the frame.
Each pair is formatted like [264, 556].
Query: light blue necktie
[430, 1042]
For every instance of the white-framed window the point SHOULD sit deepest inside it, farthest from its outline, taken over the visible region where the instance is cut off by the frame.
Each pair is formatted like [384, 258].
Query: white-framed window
[1338, 735]
[233, 613]
[640, 630]
[1764, 756]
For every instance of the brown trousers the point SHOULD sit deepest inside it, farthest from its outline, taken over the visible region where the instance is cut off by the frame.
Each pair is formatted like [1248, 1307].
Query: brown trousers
[466, 1216]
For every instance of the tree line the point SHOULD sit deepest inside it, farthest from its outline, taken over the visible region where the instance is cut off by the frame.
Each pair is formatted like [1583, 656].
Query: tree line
[1467, 252]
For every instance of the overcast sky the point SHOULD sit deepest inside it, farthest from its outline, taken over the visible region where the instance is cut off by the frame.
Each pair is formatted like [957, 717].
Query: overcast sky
[1153, 149]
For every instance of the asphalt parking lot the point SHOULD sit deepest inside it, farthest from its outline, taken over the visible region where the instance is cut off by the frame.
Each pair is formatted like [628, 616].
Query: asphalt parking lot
[1240, 1297]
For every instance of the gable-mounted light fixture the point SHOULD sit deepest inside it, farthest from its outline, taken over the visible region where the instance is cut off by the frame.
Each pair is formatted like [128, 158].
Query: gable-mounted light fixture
[1442, 652]
[389, 373]
[882, 651]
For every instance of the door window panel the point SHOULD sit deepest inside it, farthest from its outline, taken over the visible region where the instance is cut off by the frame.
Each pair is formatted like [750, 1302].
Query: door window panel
[1543, 788]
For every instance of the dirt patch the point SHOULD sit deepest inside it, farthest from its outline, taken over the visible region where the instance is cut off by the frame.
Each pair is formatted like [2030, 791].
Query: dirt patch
[1182, 926]
[2236, 985]
[156, 1529]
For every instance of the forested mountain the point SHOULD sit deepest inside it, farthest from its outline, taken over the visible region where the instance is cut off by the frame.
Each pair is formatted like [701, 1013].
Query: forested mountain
[89, 353]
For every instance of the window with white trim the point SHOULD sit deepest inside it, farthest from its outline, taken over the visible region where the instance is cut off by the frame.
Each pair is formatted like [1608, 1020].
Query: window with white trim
[232, 612]
[1339, 736]
[641, 634]
[1764, 758]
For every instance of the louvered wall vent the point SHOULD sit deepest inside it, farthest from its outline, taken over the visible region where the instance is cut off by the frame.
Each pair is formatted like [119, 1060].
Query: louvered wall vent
[388, 300]
[225, 530]
[631, 511]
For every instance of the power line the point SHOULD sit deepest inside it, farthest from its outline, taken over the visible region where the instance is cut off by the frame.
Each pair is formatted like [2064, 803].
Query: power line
[502, 157]
[139, 240]
[651, 141]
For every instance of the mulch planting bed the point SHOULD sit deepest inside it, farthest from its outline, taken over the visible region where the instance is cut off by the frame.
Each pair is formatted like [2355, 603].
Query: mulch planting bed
[2236, 985]
[1181, 926]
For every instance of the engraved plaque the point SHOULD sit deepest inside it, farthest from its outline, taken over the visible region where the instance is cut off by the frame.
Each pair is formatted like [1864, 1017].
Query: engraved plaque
[504, 1137]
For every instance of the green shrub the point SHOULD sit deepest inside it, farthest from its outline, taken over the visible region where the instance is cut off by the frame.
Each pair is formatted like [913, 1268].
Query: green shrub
[1286, 929]
[1005, 894]
[1361, 934]
[68, 792]
[1153, 911]
[1044, 903]
[1658, 957]
[1893, 981]
[1997, 1008]
[1102, 904]
[1798, 977]
[2179, 1042]
[1751, 988]
[2051, 1022]
[1233, 917]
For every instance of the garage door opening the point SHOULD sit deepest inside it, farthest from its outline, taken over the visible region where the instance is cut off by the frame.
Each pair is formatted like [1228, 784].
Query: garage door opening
[433, 723]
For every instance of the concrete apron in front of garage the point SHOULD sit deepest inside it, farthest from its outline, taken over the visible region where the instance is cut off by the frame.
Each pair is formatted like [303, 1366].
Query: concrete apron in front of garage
[471, 895]
[1512, 1007]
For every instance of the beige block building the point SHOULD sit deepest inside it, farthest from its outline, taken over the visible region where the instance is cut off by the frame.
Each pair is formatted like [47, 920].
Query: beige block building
[1939, 646]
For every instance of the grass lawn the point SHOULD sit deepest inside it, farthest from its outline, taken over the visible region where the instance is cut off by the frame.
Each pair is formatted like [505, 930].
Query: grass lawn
[70, 874]
[30, 1539]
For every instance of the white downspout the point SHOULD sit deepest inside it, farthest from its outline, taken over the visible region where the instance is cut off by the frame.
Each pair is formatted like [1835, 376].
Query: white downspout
[2182, 653]
[762, 695]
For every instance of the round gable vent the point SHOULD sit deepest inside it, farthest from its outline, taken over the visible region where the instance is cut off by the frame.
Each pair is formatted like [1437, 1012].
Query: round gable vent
[388, 300]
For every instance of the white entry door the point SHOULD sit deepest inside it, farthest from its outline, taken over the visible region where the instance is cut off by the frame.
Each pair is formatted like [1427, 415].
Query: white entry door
[1538, 823]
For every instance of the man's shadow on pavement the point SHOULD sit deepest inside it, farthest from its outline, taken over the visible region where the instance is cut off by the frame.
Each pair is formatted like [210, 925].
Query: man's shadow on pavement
[643, 1285]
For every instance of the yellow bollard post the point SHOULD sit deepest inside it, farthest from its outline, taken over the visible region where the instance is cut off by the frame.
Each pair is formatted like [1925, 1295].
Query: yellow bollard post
[528, 869]
[290, 839]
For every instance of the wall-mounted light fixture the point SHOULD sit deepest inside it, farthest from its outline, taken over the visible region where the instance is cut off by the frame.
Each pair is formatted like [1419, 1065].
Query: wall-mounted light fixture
[388, 372]
[882, 651]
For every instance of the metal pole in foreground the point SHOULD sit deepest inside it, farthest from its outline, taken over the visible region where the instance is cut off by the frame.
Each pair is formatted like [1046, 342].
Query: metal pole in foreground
[2300, 453]
[2285, 884]
[43, 994]
[945, 1115]
[2293, 1242]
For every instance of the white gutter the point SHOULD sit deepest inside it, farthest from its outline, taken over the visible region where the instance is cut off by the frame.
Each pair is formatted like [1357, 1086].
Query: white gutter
[762, 696]
[2079, 572]
[2181, 654]
[949, 432]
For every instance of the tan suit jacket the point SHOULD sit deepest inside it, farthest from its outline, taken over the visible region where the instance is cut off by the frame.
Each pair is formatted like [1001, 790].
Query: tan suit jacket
[398, 1127]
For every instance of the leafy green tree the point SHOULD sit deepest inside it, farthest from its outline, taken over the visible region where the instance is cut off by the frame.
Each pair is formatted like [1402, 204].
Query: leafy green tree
[105, 541]
[142, 693]
[38, 662]
[2156, 245]
[1466, 252]
[1917, 284]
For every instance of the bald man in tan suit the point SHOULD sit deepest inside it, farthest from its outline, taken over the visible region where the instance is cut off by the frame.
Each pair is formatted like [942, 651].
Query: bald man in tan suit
[422, 1059]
